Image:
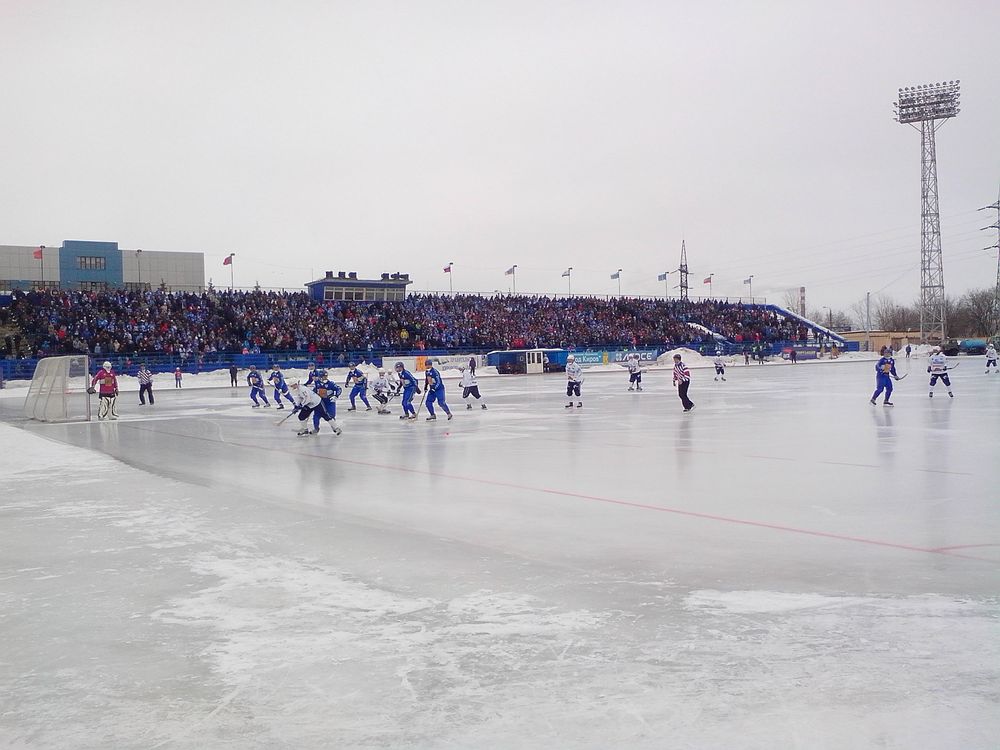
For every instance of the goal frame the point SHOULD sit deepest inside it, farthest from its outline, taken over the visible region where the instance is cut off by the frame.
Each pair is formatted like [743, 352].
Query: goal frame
[59, 383]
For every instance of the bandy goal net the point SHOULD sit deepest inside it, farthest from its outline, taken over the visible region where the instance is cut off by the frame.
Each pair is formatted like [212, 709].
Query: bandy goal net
[58, 391]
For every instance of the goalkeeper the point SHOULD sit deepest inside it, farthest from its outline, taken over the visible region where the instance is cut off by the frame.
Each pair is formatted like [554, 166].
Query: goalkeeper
[108, 391]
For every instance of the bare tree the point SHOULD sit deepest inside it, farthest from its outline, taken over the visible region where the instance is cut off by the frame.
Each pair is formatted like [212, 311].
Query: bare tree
[790, 300]
[888, 315]
[973, 314]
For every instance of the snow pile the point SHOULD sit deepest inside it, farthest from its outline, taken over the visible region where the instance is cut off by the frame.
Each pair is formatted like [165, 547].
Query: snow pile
[689, 356]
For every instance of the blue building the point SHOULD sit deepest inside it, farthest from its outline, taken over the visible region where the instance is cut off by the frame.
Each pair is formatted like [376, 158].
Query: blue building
[85, 265]
[348, 287]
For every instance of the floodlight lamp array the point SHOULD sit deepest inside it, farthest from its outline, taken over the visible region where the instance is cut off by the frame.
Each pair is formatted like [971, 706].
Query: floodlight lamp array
[929, 101]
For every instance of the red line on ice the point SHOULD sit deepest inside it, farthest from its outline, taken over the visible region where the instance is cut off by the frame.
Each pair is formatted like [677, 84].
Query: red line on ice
[946, 551]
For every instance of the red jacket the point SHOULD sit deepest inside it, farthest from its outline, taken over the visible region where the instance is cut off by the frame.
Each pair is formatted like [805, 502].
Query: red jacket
[108, 381]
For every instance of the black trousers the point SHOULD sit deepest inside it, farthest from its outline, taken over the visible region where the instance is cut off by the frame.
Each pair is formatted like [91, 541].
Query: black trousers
[146, 389]
[471, 391]
[682, 392]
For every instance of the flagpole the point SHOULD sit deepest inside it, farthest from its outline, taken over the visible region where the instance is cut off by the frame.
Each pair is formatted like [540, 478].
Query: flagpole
[569, 279]
[619, 274]
[451, 285]
[232, 271]
[41, 260]
[513, 273]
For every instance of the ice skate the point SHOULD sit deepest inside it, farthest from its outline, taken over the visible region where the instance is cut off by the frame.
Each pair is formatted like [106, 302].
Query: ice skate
[405, 416]
[412, 417]
[281, 406]
[432, 418]
[368, 409]
[690, 408]
[951, 395]
[351, 408]
[579, 404]
[336, 430]
[255, 406]
[303, 431]
[484, 407]
[874, 403]
[631, 388]
[723, 379]
[569, 405]
[639, 387]
[930, 395]
[468, 406]
[450, 415]
[887, 403]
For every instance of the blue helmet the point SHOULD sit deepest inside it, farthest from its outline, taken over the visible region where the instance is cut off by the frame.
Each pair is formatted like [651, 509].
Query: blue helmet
[320, 373]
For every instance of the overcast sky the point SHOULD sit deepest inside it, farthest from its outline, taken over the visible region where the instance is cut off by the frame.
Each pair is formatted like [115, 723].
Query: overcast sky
[383, 136]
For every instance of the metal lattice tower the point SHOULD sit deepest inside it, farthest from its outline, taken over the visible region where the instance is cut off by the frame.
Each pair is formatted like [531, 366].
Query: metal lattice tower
[995, 310]
[929, 106]
[683, 268]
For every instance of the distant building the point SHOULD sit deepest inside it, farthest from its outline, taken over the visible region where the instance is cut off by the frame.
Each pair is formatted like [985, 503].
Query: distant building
[99, 265]
[348, 287]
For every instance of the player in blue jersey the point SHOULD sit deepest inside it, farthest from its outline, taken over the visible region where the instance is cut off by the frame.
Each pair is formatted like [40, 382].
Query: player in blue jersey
[256, 383]
[310, 374]
[357, 376]
[435, 392]
[410, 387]
[327, 391]
[277, 381]
[885, 373]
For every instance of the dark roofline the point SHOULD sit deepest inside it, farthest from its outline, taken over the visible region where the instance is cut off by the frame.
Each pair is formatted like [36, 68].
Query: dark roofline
[361, 282]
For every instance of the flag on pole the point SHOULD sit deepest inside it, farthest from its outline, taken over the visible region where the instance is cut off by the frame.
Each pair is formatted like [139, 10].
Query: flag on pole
[228, 261]
[748, 281]
[37, 255]
[509, 271]
[662, 277]
[565, 273]
[447, 269]
[708, 280]
[616, 275]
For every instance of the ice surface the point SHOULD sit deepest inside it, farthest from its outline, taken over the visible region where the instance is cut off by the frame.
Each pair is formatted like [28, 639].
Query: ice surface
[786, 566]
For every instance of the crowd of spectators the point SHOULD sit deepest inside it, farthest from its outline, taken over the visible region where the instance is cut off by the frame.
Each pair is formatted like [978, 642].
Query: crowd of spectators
[130, 322]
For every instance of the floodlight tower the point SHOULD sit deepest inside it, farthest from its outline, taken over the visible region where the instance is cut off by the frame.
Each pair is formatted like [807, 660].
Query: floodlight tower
[929, 105]
[683, 268]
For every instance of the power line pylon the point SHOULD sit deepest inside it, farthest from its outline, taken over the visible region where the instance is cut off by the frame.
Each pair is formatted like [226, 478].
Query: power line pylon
[684, 271]
[995, 310]
[929, 106]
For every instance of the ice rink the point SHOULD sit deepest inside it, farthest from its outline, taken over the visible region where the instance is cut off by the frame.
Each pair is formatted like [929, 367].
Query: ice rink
[786, 566]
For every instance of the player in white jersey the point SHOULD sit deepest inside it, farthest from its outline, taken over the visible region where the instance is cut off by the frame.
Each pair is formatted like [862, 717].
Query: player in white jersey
[382, 389]
[574, 379]
[309, 402]
[938, 368]
[470, 386]
[991, 359]
[720, 367]
[634, 372]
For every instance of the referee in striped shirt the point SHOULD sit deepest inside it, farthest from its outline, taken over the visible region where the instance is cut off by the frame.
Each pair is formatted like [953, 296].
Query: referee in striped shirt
[145, 385]
[682, 379]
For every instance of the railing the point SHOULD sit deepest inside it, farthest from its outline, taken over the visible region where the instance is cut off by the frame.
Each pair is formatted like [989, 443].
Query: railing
[23, 369]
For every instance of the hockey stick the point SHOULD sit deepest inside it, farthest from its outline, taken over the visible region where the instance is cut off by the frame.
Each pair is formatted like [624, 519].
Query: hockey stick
[900, 377]
[288, 416]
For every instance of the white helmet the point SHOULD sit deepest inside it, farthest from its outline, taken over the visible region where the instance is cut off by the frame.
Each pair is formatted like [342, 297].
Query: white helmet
[106, 365]
[294, 385]
[936, 350]
[571, 358]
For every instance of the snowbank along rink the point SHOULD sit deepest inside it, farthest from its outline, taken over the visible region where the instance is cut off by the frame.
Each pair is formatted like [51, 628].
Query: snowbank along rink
[785, 566]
